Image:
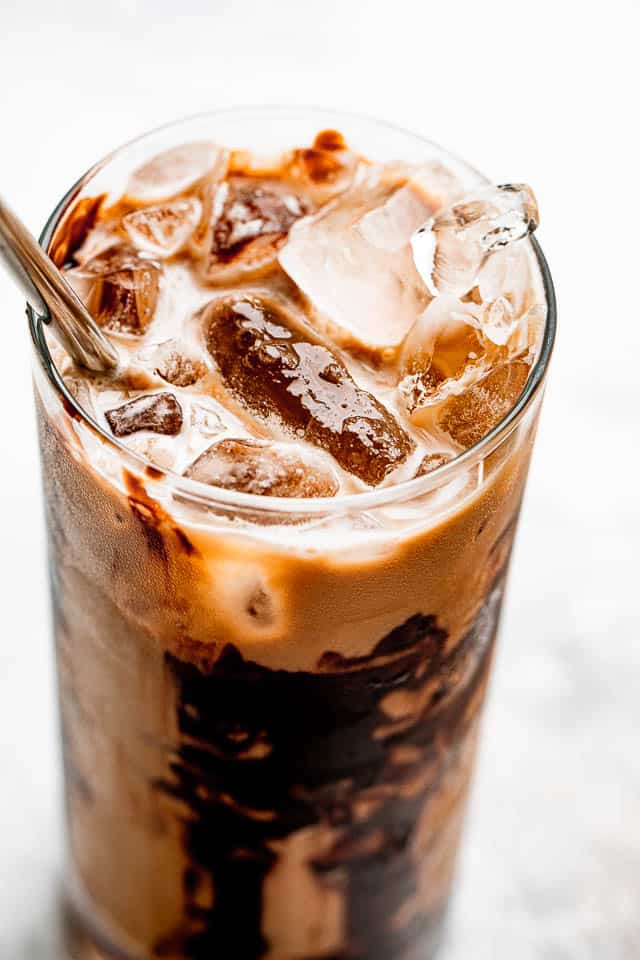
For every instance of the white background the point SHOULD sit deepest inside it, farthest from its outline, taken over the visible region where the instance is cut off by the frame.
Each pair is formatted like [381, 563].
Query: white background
[542, 92]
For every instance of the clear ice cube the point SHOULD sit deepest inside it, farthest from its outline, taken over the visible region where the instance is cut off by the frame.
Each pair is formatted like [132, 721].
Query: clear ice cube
[164, 229]
[276, 373]
[443, 352]
[453, 246]
[505, 290]
[497, 320]
[265, 469]
[177, 170]
[353, 260]
[469, 416]
[157, 412]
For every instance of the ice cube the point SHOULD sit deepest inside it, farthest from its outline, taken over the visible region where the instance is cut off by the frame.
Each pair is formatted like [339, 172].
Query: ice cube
[103, 237]
[451, 249]
[266, 469]
[353, 260]
[278, 374]
[431, 461]
[439, 183]
[175, 362]
[157, 412]
[507, 273]
[444, 351]
[123, 290]
[163, 229]
[470, 415]
[497, 320]
[160, 450]
[205, 418]
[181, 371]
[253, 220]
[177, 170]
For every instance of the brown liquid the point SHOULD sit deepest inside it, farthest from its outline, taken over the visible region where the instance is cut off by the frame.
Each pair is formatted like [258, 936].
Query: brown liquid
[286, 779]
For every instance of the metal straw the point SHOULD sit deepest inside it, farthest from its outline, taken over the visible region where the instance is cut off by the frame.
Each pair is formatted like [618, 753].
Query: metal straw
[52, 297]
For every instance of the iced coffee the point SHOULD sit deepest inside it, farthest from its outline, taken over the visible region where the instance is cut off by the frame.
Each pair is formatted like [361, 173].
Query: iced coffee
[279, 535]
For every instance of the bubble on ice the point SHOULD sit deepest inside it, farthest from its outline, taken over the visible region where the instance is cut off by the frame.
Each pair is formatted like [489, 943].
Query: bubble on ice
[451, 249]
[163, 229]
[353, 260]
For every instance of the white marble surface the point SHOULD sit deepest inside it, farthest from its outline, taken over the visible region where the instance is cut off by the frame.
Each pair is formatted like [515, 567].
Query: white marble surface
[545, 93]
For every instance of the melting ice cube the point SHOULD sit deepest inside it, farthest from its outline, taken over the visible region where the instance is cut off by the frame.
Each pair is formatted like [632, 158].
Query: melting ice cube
[278, 374]
[451, 249]
[353, 260]
[177, 170]
[469, 416]
[266, 469]
[444, 351]
[164, 229]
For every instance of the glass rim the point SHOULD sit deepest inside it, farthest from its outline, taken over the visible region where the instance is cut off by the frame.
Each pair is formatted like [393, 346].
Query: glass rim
[206, 494]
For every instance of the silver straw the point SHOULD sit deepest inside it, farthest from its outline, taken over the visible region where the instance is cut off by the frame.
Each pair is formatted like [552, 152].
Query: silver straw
[52, 297]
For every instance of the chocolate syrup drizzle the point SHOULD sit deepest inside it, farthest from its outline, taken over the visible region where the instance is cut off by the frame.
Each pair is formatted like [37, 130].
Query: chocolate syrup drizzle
[265, 753]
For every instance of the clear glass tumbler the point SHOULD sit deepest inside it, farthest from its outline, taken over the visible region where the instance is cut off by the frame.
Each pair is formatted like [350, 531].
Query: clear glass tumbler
[269, 707]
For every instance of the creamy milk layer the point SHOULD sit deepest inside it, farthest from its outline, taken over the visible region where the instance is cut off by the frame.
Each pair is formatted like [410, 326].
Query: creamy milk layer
[270, 715]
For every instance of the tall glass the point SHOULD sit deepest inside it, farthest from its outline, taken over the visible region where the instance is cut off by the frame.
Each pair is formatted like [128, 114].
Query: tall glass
[269, 707]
